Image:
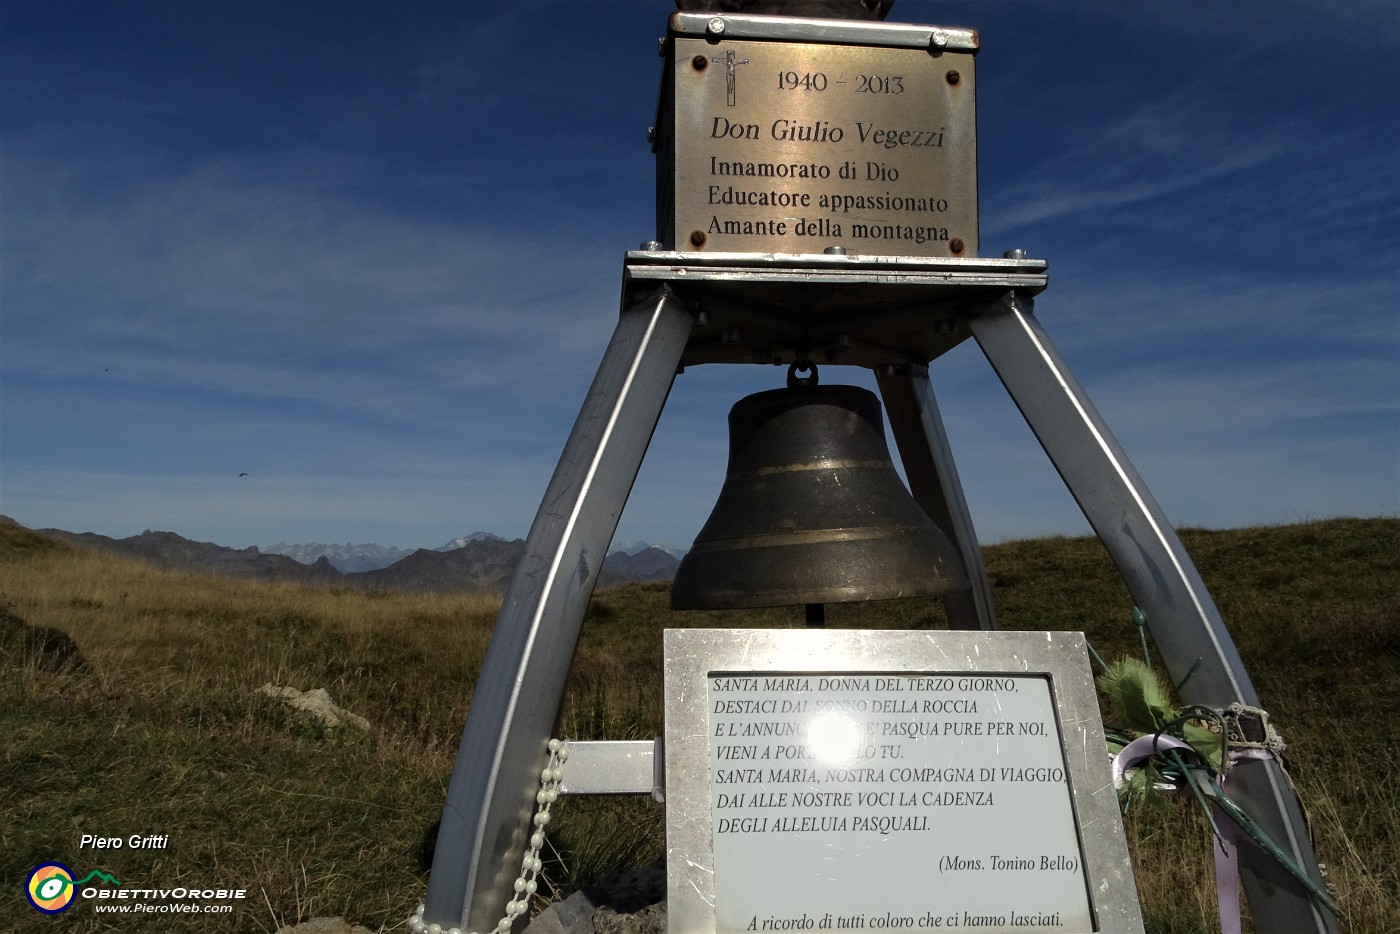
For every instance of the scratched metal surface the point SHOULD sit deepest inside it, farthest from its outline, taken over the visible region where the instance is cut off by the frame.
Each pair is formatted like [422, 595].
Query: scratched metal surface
[796, 146]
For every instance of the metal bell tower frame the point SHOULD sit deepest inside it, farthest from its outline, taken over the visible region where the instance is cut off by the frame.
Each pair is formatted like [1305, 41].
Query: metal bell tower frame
[894, 315]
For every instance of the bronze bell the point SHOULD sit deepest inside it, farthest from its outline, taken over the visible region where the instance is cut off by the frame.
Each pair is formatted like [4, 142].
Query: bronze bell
[812, 511]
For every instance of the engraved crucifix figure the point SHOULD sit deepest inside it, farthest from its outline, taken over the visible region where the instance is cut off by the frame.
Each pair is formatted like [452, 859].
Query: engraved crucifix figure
[728, 62]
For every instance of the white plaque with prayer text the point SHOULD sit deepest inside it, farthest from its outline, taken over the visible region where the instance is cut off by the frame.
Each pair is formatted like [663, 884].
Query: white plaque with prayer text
[874, 781]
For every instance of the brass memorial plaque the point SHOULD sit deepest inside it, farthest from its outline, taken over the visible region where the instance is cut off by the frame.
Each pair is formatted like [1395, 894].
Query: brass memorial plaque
[795, 147]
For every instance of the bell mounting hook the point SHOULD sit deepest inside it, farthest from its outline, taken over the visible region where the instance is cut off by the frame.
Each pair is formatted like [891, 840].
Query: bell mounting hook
[802, 366]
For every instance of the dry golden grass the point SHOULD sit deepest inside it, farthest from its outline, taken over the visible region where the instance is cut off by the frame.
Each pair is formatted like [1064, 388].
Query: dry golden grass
[164, 731]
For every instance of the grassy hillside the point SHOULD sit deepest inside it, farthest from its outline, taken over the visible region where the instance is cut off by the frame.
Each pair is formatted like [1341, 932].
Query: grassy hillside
[151, 722]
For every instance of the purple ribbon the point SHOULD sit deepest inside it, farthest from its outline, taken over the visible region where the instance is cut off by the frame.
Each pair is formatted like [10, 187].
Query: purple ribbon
[1227, 869]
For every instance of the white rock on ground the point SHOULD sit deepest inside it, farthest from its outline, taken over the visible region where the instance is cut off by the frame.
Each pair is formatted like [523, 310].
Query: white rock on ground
[316, 704]
[573, 915]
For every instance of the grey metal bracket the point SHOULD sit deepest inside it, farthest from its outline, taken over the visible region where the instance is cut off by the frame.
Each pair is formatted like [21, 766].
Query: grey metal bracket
[867, 311]
[804, 29]
[616, 767]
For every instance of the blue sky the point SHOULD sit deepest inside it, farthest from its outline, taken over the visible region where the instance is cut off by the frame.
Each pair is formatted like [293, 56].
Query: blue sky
[368, 253]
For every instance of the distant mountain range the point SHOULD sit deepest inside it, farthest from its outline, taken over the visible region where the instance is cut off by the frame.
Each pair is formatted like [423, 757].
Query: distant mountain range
[480, 561]
[346, 558]
[470, 539]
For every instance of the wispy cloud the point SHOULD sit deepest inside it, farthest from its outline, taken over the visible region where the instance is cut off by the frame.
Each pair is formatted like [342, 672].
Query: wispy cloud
[224, 283]
[1145, 157]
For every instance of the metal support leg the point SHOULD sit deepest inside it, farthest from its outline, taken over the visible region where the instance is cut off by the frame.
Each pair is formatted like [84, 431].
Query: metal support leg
[933, 479]
[486, 820]
[1185, 624]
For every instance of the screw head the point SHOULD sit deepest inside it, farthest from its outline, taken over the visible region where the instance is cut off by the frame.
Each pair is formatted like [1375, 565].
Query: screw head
[835, 251]
[697, 238]
[699, 63]
[953, 77]
[651, 245]
[1014, 254]
[715, 26]
[956, 246]
[938, 39]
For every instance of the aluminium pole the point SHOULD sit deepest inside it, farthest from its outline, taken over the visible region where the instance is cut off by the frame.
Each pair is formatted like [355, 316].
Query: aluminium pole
[486, 818]
[1186, 626]
[919, 435]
